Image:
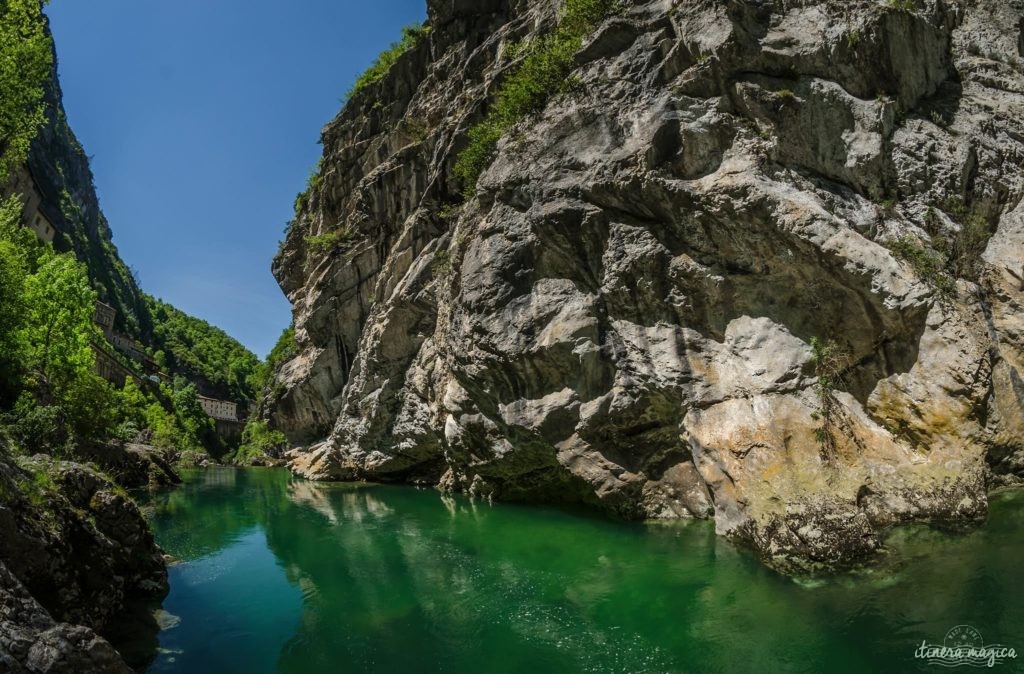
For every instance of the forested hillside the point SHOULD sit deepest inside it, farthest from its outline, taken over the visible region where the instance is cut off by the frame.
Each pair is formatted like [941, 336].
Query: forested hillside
[202, 352]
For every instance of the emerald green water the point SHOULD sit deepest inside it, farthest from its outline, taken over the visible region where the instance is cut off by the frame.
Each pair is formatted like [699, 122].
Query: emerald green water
[282, 575]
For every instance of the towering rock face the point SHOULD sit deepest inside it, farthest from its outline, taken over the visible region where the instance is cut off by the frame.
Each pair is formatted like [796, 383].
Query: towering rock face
[762, 263]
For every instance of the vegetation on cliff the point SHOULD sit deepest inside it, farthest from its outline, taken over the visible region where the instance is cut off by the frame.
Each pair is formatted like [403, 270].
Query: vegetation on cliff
[284, 350]
[331, 239]
[52, 399]
[60, 169]
[34, 133]
[946, 257]
[26, 57]
[411, 36]
[545, 64]
[259, 440]
[46, 319]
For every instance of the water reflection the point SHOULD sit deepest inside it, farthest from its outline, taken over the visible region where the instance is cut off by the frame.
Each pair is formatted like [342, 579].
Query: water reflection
[311, 578]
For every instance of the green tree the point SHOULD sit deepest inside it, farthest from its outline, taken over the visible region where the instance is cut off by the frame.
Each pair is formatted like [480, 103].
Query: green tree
[31, 252]
[26, 58]
[13, 270]
[58, 334]
[196, 425]
[164, 428]
[259, 440]
[11, 316]
[199, 351]
[131, 407]
[47, 306]
[59, 327]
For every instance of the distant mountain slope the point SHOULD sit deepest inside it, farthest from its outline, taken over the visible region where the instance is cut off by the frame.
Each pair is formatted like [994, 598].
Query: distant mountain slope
[203, 353]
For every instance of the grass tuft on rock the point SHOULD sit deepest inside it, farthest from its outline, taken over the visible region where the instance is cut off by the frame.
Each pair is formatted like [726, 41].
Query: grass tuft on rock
[831, 361]
[948, 257]
[928, 264]
[331, 240]
[411, 36]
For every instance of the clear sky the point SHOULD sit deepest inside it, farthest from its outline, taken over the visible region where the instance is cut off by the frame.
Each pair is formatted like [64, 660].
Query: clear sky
[202, 119]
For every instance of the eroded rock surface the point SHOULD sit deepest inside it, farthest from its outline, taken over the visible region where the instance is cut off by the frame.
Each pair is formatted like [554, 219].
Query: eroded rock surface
[624, 313]
[31, 641]
[75, 554]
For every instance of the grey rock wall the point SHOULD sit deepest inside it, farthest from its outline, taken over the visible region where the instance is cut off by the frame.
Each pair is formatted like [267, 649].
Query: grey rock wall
[75, 555]
[623, 313]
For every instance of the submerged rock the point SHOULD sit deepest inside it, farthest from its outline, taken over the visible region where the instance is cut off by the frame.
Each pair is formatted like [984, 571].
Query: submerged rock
[626, 312]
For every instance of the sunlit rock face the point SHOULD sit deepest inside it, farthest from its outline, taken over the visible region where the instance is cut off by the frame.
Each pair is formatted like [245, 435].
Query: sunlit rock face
[623, 314]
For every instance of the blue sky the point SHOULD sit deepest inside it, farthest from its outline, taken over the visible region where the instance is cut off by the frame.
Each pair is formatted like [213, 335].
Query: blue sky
[202, 119]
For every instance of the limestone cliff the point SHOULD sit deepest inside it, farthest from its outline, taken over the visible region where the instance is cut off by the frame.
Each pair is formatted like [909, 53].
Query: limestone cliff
[761, 262]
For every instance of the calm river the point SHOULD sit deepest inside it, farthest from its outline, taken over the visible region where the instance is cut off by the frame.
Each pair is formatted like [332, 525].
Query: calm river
[283, 575]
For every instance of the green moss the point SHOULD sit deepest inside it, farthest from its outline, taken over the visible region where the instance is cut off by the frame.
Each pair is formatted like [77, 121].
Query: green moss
[411, 36]
[543, 72]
